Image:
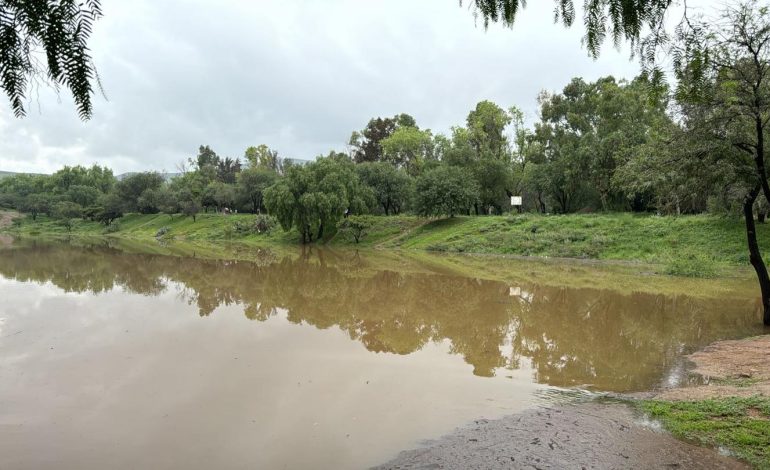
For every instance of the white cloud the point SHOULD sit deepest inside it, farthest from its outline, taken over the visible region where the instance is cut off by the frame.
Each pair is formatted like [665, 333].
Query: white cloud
[296, 75]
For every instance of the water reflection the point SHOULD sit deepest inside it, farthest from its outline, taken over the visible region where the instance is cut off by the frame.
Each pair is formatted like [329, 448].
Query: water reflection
[592, 337]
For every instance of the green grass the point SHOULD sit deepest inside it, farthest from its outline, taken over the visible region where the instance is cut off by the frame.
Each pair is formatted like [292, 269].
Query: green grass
[692, 246]
[740, 425]
[700, 246]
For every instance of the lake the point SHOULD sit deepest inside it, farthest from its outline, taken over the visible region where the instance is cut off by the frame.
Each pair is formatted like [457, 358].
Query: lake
[139, 357]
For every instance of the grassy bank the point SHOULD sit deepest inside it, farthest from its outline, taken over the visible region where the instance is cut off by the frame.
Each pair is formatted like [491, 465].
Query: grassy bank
[701, 246]
[739, 425]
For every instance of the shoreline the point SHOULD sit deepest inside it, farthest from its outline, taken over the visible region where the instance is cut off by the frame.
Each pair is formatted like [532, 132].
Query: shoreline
[685, 246]
[626, 431]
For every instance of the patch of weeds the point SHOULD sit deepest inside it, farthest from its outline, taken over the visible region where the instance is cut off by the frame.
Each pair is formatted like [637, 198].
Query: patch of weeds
[739, 382]
[437, 247]
[112, 228]
[691, 265]
[162, 231]
[741, 425]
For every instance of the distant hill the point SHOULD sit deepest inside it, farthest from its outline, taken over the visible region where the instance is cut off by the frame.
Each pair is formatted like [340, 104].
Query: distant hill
[166, 176]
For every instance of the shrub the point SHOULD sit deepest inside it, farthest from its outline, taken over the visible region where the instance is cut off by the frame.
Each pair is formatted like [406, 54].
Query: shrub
[356, 227]
[265, 223]
[112, 228]
[162, 231]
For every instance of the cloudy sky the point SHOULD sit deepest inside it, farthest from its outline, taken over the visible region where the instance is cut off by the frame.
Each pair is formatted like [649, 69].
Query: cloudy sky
[296, 75]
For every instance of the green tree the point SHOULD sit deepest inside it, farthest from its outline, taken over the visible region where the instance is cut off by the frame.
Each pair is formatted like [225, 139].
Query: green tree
[110, 208]
[445, 190]
[252, 183]
[83, 195]
[66, 211]
[314, 198]
[408, 148]
[494, 179]
[228, 169]
[134, 186]
[392, 187]
[36, 203]
[723, 72]
[486, 129]
[61, 31]
[366, 146]
[264, 157]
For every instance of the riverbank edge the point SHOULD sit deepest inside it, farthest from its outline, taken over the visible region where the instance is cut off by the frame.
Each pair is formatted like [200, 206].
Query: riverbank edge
[624, 430]
[413, 234]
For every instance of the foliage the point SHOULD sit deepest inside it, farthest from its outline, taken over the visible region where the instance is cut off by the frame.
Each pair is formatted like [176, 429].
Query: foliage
[392, 187]
[138, 192]
[264, 223]
[61, 30]
[263, 157]
[252, 183]
[313, 198]
[408, 148]
[367, 145]
[445, 190]
[619, 19]
[356, 227]
[110, 208]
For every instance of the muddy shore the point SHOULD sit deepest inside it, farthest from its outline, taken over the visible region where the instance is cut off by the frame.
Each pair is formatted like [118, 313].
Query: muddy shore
[602, 435]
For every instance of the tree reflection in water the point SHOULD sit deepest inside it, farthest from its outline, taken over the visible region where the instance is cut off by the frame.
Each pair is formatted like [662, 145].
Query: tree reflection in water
[600, 338]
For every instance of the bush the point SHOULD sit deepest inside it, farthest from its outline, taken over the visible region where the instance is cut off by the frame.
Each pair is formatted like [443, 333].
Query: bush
[112, 228]
[265, 223]
[356, 227]
[162, 231]
[261, 224]
[691, 265]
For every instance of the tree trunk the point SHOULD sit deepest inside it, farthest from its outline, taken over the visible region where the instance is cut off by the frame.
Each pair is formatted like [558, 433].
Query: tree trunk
[755, 257]
[759, 158]
[320, 232]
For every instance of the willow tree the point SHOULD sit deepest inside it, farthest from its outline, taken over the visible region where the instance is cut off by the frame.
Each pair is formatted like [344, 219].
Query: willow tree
[60, 29]
[314, 198]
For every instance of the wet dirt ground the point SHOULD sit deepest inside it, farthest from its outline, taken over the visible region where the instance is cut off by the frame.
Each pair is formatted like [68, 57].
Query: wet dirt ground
[729, 368]
[582, 436]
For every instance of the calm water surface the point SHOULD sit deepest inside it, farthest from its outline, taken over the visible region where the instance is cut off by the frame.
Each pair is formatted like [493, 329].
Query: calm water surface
[115, 359]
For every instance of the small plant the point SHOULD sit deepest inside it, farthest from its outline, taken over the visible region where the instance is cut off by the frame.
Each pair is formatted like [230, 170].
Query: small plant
[66, 223]
[228, 231]
[355, 227]
[162, 231]
[112, 228]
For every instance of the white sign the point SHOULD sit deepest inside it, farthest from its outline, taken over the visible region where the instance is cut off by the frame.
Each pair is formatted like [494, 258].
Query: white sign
[515, 200]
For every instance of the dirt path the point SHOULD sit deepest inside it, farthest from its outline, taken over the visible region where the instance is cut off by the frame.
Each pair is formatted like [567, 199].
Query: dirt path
[6, 218]
[587, 435]
[729, 368]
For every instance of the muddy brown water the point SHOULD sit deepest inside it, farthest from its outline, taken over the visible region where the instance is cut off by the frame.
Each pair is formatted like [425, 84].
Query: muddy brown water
[115, 359]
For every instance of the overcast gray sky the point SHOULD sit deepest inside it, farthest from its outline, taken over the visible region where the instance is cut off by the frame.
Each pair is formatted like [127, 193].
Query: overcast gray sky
[298, 75]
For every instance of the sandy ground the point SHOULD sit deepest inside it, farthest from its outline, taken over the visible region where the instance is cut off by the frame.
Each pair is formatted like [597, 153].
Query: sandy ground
[729, 368]
[582, 436]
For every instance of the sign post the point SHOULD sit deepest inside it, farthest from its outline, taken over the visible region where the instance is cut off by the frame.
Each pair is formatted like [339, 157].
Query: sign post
[516, 202]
